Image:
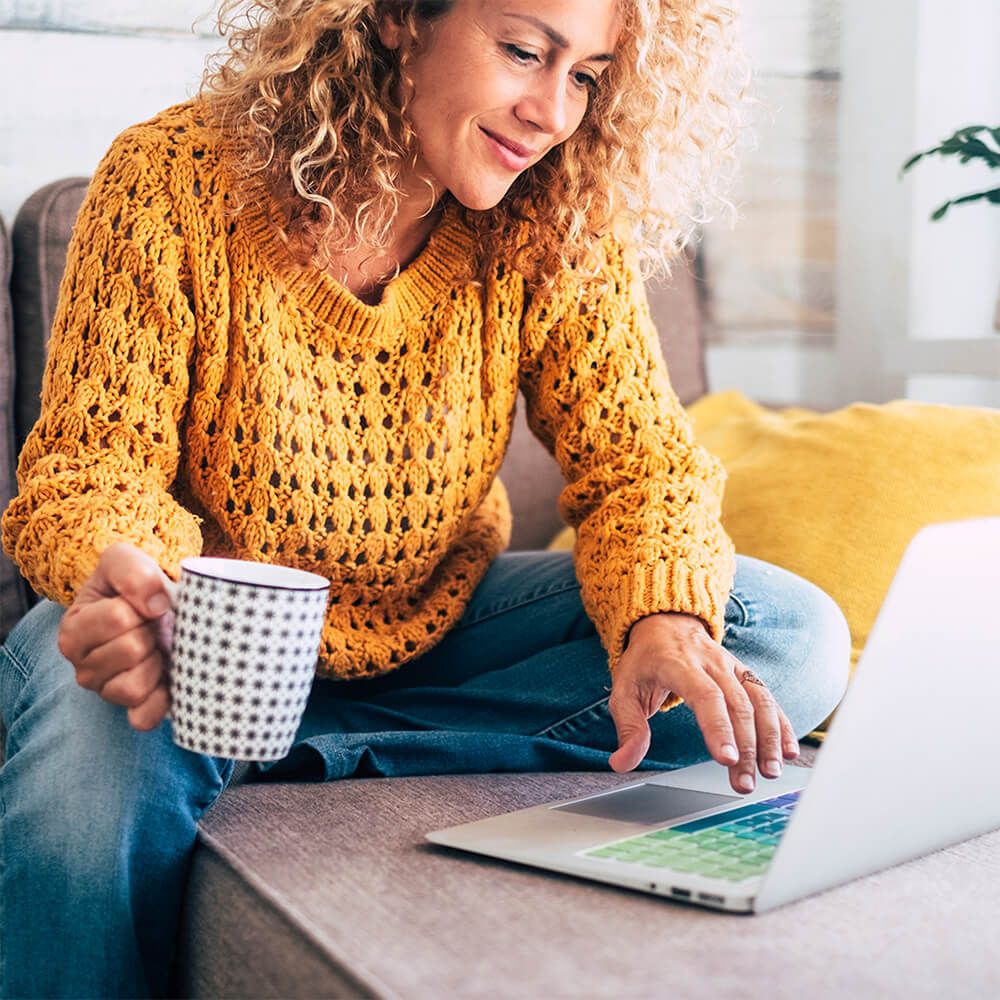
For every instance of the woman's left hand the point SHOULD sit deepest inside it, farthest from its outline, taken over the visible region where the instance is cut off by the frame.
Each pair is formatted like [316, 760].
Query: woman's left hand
[743, 726]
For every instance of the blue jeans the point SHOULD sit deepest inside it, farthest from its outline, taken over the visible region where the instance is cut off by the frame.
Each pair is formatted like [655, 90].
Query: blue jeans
[97, 821]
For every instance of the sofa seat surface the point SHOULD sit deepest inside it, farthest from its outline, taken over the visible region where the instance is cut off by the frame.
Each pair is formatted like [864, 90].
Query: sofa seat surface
[331, 890]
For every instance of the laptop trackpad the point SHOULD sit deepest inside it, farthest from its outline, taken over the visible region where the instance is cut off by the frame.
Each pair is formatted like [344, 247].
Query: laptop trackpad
[646, 804]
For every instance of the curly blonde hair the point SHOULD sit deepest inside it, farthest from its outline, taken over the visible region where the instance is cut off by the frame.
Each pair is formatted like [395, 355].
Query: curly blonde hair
[306, 93]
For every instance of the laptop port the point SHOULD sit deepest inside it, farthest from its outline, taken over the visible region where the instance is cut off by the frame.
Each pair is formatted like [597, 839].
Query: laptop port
[683, 893]
[710, 897]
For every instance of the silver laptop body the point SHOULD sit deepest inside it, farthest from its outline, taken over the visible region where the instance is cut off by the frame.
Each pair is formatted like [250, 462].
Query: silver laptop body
[909, 765]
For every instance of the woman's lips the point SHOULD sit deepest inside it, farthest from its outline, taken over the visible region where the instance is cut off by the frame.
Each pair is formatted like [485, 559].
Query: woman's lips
[512, 159]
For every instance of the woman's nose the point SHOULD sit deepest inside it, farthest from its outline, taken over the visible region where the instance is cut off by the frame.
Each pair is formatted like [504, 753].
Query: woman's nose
[544, 106]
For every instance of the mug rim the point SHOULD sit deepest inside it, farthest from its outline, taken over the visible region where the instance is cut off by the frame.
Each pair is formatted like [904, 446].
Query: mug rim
[216, 568]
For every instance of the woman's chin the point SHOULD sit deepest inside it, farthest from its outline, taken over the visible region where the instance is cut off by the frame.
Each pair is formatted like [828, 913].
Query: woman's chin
[481, 199]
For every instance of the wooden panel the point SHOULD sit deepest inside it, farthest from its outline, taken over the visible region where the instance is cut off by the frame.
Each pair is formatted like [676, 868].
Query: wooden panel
[784, 36]
[51, 129]
[793, 37]
[775, 270]
[113, 16]
[775, 369]
[771, 280]
[954, 390]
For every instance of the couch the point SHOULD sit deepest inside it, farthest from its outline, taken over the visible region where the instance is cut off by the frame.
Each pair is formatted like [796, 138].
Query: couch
[301, 890]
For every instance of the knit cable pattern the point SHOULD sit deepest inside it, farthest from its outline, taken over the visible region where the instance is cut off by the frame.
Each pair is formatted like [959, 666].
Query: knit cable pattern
[201, 396]
[644, 498]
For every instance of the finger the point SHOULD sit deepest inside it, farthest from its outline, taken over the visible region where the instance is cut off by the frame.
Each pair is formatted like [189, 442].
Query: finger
[165, 631]
[632, 727]
[119, 654]
[152, 711]
[132, 687]
[631, 752]
[789, 742]
[742, 774]
[766, 722]
[86, 627]
[126, 571]
[705, 698]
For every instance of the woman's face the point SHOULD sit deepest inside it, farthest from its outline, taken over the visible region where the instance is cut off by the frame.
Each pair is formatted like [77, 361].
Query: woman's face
[498, 83]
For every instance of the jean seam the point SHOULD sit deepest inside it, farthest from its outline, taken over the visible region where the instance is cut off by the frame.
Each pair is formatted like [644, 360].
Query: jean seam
[16, 706]
[744, 610]
[18, 665]
[571, 717]
[499, 609]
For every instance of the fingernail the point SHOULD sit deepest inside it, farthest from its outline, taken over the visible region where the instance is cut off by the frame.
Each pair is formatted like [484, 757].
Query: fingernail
[745, 782]
[158, 604]
[772, 768]
[729, 753]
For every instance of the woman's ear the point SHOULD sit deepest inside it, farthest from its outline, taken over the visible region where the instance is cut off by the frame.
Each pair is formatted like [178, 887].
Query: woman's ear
[390, 27]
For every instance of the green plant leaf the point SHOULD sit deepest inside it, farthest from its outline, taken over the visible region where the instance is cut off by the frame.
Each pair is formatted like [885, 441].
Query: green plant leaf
[974, 148]
[910, 162]
[992, 196]
[966, 198]
[963, 145]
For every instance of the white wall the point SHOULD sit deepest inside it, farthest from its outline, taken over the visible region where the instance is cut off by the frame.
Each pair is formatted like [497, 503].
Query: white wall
[917, 298]
[74, 73]
[835, 285]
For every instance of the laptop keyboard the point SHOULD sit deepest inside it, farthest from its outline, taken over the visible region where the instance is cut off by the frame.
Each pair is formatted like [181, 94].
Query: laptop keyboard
[733, 845]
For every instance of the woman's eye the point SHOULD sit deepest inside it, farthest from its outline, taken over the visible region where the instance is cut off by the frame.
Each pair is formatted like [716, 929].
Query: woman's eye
[520, 55]
[586, 80]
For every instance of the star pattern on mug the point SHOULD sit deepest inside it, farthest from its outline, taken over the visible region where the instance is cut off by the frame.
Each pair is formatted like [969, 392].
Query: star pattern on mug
[228, 650]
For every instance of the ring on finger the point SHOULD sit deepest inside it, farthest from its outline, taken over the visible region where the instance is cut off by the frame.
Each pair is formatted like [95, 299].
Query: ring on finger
[749, 677]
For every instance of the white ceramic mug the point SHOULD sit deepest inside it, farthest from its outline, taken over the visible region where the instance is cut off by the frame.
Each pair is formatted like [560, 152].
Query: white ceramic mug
[244, 650]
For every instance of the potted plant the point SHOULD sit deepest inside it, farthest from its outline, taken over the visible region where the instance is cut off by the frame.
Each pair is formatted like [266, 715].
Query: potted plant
[966, 145]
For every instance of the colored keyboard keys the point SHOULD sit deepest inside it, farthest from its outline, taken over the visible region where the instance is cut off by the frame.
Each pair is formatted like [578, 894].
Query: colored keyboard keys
[733, 845]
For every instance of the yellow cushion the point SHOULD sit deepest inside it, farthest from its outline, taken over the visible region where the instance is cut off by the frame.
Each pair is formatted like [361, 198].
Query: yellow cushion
[836, 497]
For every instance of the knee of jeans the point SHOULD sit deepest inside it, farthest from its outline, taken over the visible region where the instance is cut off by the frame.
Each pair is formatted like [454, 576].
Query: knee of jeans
[816, 679]
[93, 805]
[79, 775]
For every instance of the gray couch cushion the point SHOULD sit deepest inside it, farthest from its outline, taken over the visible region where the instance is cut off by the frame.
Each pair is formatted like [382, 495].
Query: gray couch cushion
[677, 306]
[331, 890]
[14, 591]
[41, 235]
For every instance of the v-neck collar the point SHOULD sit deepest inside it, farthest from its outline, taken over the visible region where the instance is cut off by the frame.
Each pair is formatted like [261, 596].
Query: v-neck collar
[425, 280]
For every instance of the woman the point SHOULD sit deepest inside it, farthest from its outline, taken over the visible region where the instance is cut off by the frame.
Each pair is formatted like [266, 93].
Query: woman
[296, 315]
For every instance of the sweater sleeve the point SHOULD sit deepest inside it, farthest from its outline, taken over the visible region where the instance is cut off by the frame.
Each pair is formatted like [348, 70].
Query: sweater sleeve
[98, 465]
[645, 500]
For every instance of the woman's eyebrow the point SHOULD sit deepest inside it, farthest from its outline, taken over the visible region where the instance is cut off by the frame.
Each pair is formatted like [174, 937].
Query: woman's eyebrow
[557, 39]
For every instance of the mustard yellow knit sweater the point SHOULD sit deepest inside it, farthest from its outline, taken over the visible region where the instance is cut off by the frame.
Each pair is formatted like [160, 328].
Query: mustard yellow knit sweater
[202, 396]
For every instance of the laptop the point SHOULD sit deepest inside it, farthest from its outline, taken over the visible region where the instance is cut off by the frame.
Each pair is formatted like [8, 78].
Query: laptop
[908, 766]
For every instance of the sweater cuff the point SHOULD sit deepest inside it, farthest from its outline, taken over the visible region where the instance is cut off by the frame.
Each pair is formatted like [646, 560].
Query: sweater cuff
[662, 586]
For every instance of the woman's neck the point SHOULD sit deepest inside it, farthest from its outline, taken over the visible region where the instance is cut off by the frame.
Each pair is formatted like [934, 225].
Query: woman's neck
[365, 271]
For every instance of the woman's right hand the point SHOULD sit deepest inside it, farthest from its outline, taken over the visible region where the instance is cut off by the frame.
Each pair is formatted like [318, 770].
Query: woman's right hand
[117, 632]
